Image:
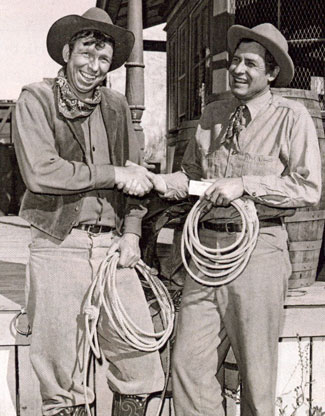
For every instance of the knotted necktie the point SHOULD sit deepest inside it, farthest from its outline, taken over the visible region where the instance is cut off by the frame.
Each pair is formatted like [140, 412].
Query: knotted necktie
[236, 125]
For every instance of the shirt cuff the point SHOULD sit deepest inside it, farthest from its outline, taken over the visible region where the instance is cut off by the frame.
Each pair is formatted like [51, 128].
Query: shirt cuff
[104, 176]
[252, 186]
[132, 225]
[176, 184]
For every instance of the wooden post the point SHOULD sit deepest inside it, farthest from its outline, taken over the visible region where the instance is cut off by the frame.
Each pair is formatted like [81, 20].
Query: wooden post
[135, 69]
[223, 18]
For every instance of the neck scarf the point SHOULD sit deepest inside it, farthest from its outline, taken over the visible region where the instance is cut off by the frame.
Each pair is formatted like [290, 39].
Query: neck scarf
[69, 104]
[235, 126]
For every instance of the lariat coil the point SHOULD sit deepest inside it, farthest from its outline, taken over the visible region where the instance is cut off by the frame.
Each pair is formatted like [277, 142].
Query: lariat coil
[220, 265]
[103, 295]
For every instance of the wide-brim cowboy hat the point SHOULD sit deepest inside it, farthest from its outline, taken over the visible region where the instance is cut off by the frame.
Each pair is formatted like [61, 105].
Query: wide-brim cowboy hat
[272, 39]
[94, 18]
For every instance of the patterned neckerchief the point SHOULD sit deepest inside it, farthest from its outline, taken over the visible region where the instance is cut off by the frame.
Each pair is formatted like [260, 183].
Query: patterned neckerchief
[235, 126]
[70, 106]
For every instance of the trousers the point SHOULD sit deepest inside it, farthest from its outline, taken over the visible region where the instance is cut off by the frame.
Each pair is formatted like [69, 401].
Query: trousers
[58, 277]
[247, 314]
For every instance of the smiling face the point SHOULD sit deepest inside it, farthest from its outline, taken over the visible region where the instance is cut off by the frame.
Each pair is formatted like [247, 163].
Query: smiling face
[87, 65]
[249, 74]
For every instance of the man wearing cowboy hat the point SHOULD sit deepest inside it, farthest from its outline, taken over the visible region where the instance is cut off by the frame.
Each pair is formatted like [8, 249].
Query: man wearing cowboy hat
[258, 145]
[73, 139]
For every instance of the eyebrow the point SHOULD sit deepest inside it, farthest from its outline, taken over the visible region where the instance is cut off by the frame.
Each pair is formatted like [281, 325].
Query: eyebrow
[247, 59]
[88, 42]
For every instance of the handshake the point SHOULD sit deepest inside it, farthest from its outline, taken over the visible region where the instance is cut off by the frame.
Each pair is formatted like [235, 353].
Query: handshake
[137, 180]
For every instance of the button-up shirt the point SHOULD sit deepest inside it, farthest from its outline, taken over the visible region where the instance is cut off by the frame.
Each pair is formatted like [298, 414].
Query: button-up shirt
[278, 158]
[96, 206]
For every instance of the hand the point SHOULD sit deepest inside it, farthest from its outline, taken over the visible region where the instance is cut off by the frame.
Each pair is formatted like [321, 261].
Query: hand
[129, 250]
[224, 190]
[133, 179]
[159, 184]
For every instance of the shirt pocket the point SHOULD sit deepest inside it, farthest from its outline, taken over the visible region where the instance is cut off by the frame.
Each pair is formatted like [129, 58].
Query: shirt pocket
[253, 164]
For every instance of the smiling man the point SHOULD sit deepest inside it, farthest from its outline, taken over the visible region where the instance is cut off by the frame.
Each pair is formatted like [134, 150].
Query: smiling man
[264, 147]
[73, 139]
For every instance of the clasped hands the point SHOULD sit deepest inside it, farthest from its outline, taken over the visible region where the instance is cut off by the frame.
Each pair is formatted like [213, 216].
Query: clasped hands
[137, 180]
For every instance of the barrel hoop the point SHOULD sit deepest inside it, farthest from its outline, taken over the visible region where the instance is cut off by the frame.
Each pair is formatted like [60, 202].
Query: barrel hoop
[306, 216]
[307, 265]
[305, 245]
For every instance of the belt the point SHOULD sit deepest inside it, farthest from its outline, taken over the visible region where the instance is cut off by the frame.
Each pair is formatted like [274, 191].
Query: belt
[95, 228]
[234, 227]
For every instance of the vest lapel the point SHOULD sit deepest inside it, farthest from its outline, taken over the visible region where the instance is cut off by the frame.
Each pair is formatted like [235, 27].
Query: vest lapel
[78, 133]
[110, 121]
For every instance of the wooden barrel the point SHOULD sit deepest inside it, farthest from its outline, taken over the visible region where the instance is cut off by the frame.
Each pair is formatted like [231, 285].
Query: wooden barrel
[306, 227]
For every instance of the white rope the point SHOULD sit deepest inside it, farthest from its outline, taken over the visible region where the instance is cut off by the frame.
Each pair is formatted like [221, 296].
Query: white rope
[222, 265]
[103, 295]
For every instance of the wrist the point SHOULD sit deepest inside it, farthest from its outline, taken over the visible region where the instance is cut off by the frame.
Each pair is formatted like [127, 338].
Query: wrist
[159, 184]
[117, 174]
[132, 236]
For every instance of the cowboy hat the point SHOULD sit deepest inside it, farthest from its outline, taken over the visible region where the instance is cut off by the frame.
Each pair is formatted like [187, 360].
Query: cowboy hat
[94, 18]
[272, 39]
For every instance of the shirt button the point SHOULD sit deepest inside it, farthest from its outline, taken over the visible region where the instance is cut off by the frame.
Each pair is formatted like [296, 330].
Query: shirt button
[254, 193]
[76, 209]
[94, 148]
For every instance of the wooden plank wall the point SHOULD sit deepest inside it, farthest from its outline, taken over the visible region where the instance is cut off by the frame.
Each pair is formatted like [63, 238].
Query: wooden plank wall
[301, 381]
[301, 376]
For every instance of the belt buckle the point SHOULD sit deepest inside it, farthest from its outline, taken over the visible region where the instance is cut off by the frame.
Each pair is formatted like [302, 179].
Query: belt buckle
[93, 227]
[227, 225]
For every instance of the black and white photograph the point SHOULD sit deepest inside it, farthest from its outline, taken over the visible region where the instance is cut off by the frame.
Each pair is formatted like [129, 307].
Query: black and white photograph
[162, 208]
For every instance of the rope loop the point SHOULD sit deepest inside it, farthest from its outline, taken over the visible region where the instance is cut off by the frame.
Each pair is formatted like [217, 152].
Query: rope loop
[103, 296]
[219, 265]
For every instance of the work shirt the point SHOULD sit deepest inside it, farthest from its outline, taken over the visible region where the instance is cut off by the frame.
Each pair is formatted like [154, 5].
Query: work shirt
[96, 207]
[279, 140]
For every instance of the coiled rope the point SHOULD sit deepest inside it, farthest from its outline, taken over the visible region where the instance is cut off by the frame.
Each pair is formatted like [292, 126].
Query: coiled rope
[220, 265]
[103, 294]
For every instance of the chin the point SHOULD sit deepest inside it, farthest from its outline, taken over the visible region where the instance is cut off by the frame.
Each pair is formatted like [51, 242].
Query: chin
[237, 92]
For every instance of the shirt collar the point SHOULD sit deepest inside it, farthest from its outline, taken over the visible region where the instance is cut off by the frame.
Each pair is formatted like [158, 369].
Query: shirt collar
[256, 104]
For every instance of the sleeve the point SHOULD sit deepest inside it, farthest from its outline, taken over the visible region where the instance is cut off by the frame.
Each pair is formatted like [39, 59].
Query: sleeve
[300, 184]
[41, 166]
[134, 214]
[177, 183]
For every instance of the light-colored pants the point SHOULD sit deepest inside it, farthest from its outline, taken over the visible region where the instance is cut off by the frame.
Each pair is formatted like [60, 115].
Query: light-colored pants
[59, 276]
[246, 314]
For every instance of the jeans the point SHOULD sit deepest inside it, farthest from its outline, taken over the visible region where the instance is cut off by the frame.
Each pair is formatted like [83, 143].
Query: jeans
[58, 277]
[246, 314]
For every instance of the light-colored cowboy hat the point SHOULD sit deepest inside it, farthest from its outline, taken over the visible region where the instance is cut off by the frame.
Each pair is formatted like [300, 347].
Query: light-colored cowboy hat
[272, 39]
[94, 18]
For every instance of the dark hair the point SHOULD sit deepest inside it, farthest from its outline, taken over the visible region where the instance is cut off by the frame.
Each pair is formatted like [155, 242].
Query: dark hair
[98, 38]
[270, 62]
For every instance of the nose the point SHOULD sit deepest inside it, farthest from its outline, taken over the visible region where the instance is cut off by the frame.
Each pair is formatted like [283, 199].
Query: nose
[239, 68]
[93, 64]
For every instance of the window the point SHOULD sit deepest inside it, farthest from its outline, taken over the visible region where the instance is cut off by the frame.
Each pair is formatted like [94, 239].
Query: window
[200, 74]
[189, 72]
[172, 82]
[182, 71]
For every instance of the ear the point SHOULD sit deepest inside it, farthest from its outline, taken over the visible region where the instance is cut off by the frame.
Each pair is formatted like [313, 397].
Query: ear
[66, 53]
[273, 74]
